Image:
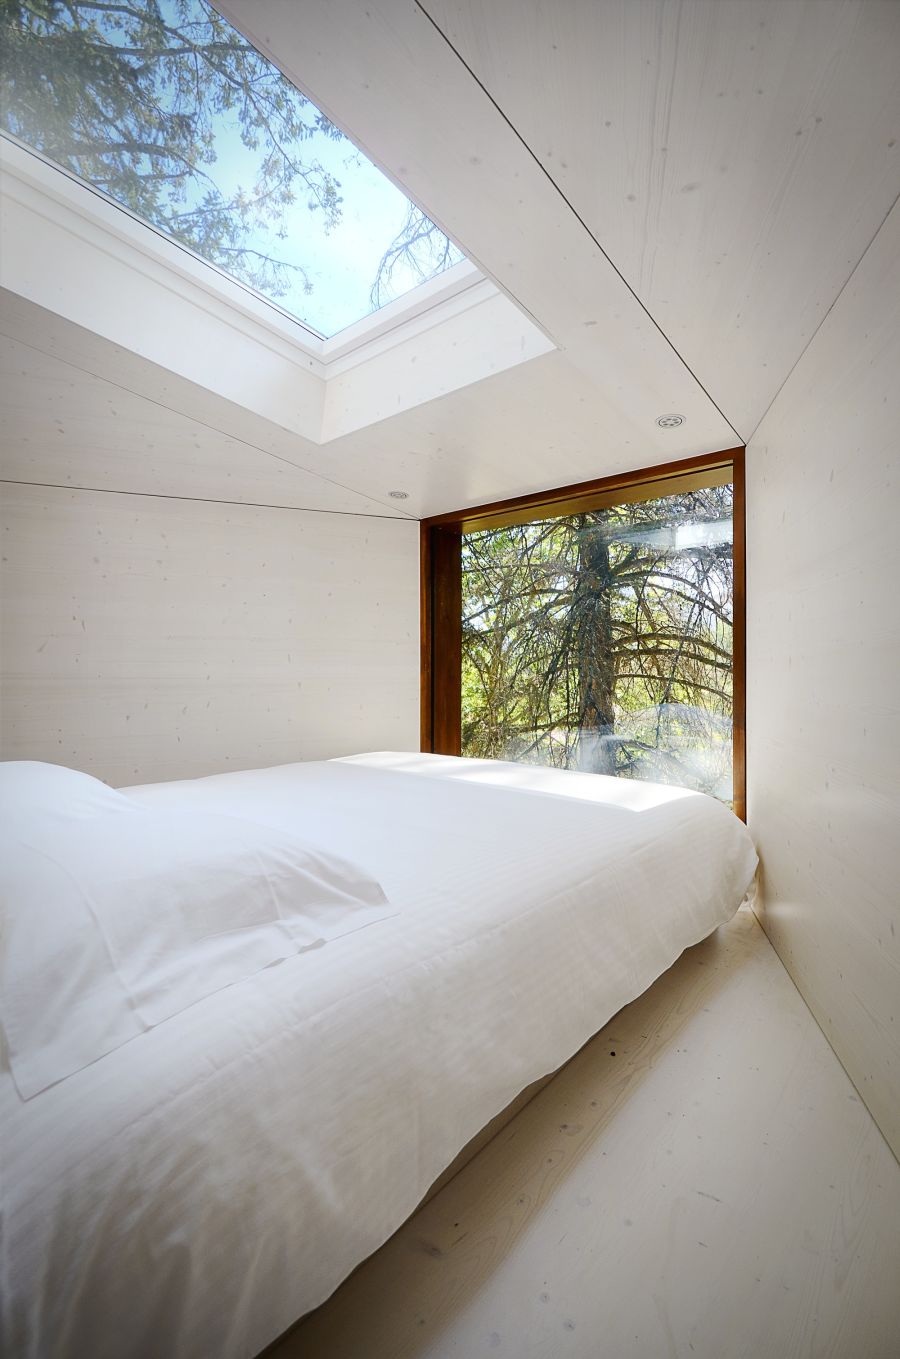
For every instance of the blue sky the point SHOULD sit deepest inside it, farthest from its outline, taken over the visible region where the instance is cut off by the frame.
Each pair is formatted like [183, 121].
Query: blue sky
[342, 263]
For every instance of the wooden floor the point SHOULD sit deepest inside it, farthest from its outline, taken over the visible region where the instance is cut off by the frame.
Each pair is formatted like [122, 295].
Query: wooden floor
[701, 1180]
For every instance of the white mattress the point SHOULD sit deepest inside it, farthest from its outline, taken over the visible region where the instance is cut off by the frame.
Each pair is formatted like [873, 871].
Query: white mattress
[194, 1192]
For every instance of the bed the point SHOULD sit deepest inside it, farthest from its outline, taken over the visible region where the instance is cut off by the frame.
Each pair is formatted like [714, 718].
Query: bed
[203, 1184]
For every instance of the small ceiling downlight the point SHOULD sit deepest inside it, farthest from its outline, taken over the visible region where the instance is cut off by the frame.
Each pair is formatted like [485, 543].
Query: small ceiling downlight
[399, 495]
[669, 421]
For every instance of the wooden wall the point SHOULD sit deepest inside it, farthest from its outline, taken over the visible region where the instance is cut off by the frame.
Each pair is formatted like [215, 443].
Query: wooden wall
[823, 691]
[148, 638]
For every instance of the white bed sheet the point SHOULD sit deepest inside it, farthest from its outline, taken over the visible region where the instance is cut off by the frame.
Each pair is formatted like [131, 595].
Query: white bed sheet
[194, 1192]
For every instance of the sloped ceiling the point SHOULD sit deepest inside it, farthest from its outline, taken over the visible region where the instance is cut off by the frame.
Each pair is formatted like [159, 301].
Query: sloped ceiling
[730, 159]
[734, 158]
[674, 191]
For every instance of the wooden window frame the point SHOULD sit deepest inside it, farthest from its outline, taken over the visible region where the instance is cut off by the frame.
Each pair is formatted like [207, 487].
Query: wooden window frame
[441, 585]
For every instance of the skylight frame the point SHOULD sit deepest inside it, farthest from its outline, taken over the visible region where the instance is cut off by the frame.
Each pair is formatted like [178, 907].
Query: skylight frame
[30, 166]
[175, 319]
[339, 279]
[50, 183]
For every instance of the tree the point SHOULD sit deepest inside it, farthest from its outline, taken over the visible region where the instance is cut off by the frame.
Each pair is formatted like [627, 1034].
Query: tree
[603, 640]
[420, 246]
[130, 96]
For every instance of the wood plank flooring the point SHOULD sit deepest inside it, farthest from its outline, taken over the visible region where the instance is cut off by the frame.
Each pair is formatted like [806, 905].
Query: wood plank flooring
[702, 1180]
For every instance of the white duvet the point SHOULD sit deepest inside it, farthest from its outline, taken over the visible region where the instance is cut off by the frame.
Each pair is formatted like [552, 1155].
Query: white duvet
[193, 1192]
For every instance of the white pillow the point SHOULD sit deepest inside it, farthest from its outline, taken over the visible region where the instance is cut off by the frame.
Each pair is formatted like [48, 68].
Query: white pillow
[29, 786]
[115, 917]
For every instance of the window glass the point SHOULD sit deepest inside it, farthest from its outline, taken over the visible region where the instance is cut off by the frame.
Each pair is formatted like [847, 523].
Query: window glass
[167, 109]
[602, 641]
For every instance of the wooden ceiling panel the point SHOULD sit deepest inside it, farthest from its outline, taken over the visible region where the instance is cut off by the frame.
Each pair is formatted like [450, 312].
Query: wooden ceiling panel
[78, 410]
[385, 74]
[734, 158]
[66, 426]
[669, 188]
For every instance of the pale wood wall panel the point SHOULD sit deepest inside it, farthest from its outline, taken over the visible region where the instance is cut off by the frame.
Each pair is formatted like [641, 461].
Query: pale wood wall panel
[147, 638]
[823, 700]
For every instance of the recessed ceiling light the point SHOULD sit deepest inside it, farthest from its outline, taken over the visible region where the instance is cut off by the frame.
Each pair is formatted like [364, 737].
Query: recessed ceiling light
[669, 421]
[399, 495]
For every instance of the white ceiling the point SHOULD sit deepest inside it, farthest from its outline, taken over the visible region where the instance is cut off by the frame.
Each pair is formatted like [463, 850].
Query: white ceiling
[734, 158]
[65, 426]
[611, 166]
[79, 410]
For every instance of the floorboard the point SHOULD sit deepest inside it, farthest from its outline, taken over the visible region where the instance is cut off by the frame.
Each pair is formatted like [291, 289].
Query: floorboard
[701, 1180]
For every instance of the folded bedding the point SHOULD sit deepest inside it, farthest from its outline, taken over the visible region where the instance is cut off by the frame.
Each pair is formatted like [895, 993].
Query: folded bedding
[196, 1188]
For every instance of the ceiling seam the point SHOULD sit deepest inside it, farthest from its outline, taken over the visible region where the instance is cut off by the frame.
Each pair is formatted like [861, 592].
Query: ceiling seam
[512, 127]
[214, 429]
[208, 500]
[825, 317]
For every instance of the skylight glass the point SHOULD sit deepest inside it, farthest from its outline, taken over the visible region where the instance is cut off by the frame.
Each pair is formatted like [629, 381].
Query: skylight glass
[167, 109]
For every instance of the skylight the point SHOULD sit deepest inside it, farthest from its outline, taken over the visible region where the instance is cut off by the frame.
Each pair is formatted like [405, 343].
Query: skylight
[167, 109]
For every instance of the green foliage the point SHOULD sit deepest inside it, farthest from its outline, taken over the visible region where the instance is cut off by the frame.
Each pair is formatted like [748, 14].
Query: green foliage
[603, 640]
